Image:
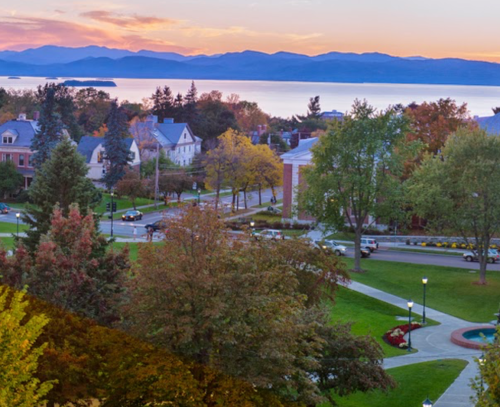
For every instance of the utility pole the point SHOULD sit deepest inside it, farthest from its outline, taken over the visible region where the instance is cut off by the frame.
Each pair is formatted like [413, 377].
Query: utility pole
[157, 173]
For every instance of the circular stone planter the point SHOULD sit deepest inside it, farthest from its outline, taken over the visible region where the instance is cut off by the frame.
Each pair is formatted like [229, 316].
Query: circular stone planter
[459, 337]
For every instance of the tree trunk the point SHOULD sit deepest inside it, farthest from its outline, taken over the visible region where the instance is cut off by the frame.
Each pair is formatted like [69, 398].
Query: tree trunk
[245, 198]
[217, 198]
[357, 249]
[238, 201]
[233, 204]
[483, 259]
[260, 194]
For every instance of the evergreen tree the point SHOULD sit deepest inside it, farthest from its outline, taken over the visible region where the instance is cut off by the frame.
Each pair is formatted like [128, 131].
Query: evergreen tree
[163, 103]
[313, 108]
[50, 130]
[10, 179]
[61, 180]
[190, 113]
[117, 152]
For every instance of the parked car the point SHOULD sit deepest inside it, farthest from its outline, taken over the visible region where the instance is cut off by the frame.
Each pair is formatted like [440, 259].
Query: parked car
[370, 244]
[336, 248]
[365, 252]
[4, 208]
[156, 226]
[269, 234]
[132, 215]
[493, 256]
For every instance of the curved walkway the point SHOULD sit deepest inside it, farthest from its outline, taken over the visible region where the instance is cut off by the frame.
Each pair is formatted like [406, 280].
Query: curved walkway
[433, 343]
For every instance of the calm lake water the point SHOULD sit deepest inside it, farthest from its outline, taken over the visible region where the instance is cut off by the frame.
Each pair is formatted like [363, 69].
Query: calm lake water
[288, 98]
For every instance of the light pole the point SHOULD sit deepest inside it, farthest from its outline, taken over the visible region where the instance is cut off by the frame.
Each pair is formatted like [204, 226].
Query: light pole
[482, 361]
[199, 192]
[427, 403]
[252, 224]
[17, 218]
[410, 305]
[112, 195]
[424, 282]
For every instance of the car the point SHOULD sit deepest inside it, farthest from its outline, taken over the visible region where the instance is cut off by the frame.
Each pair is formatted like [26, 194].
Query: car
[493, 256]
[336, 248]
[272, 209]
[4, 208]
[365, 253]
[132, 215]
[269, 234]
[156, 226]
[369, 243]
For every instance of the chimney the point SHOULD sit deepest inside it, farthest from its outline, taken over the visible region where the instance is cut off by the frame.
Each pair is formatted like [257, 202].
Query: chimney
[36, 115]
[22, 117]
[168, 120]
[152, 118]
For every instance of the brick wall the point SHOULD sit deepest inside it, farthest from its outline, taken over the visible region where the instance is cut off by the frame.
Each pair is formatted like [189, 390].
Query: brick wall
[303, 215]
[287, 191]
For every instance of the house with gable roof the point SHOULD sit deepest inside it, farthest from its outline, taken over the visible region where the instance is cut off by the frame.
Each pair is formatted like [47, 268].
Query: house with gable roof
[92, 148]
[491, 124]
[177, 140]
[15, 145]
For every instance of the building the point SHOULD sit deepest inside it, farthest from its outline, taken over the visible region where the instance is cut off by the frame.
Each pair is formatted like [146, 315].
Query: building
[333, 115]
[491, 124]
[93, 150]
[15, 145]
[177, 140]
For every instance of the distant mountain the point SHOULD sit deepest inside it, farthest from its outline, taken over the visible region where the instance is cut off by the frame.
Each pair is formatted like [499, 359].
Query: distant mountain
[96, 62]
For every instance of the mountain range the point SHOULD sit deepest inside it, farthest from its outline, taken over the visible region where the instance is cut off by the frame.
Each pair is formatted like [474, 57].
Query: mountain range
[95, 62]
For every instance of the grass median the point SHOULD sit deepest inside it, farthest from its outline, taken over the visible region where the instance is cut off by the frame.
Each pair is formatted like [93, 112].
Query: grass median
[449, 289]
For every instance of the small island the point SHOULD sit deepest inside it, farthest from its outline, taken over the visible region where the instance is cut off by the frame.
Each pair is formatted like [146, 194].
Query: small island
[52, 77]
[13, 77]
[94, 83]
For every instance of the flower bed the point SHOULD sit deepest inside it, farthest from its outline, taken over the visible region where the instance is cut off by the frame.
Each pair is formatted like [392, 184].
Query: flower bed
[395, 336]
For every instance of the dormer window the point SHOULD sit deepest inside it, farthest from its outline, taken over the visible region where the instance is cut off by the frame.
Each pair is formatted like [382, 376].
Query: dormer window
[7, 139]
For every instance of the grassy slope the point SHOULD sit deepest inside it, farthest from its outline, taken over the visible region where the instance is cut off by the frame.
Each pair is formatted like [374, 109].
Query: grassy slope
[415, 383]
[7, 227]
[450, 290]
[121, 203]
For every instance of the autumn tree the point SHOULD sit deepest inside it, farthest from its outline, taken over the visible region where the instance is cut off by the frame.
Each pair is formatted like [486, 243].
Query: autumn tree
[268, 169]
[215, 167]
[354, 172]
[92, 109]
[10, 179]
[247, 114]
[131, 186]
[175, 181]
[117, 153]
[19, 356]
[61, 180]
[458, 192]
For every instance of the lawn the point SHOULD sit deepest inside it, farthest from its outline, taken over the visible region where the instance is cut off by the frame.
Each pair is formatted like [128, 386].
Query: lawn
[450, 290]
[341, 236]
[415, 383]
[133, 247]
[7, 227]
[7, 242]
[443, 252]
[369, 316]
[121, 203]
[266, 204]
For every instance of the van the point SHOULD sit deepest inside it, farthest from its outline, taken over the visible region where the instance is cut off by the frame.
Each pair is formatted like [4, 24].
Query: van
[370, 244]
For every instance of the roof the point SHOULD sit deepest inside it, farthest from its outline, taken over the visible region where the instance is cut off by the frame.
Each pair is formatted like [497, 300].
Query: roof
[24, 130]
[303, 147]
[168, 134]
[88, 144]
[490, 124]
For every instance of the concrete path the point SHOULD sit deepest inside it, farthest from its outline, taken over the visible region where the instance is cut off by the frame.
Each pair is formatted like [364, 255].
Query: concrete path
[433, 343]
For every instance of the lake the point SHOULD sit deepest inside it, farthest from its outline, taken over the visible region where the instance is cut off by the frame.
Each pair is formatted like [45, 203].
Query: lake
[288, 98]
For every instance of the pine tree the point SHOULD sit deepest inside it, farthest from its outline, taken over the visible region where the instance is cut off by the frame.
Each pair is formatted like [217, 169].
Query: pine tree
[61, 180]
[117, 152]
[313, 108]
[163, 103]
[190, 110]
[50, 130]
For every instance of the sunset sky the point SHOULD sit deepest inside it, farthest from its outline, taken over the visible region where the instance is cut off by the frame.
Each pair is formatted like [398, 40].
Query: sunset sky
[432, 28]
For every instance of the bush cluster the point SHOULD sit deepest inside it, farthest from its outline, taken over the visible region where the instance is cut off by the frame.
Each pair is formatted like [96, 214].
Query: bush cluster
[265, 224]
[395, 336]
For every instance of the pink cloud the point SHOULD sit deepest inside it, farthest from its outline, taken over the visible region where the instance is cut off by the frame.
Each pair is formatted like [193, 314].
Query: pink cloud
[19, 33]
[132, 21]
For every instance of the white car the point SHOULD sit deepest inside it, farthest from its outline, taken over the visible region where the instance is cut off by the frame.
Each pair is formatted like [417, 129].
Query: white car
[370, 244]
[269, 234]
[493, 256]
[338, 249]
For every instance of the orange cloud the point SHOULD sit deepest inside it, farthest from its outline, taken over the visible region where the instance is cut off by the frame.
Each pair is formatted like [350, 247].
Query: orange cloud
[132, 21]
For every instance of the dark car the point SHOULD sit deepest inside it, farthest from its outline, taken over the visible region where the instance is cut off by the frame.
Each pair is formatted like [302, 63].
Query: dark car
[156, 226]
[4, 208]
[132, 215]
[365, 252]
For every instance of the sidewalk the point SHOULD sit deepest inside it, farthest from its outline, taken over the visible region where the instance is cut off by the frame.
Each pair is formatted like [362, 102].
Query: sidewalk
[433, 343]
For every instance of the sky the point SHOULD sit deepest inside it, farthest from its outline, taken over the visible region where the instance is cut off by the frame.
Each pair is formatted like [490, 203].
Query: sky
[431, 28]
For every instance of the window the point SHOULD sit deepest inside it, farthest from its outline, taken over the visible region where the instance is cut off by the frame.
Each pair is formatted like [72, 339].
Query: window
[132, 155]
[183, 163]
[30, 160]
[7, 157]
[184, 136]
[100, 156]
[184, 149]
[7, 140]
[21, 160]
[189, 148]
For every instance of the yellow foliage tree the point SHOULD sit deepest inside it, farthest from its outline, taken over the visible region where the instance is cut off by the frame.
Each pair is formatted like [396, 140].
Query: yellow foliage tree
[18, 356]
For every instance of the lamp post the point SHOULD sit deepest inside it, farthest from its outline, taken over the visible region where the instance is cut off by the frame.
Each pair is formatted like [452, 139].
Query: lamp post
[17, 218]
[424, 283]
[482, 361]
[112, 195]
[199, 192]
[410, 305]
[427, 403]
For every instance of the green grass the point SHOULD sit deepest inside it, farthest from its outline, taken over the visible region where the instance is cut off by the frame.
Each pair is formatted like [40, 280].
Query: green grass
[7, 242]
[369, 316]
[341, 236]
[415, 383]
[121, 203]
[450, 290]
[15, 205]
[266, 204]
[444, 252]
[7, 227]
[264, 215]
[133, 247]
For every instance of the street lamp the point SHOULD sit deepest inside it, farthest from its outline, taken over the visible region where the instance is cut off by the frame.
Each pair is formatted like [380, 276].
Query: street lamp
[424, 282]
[410, 305]
[427, 403]
[112, 195]
[252, 224]
[199, 192]
[17, 217]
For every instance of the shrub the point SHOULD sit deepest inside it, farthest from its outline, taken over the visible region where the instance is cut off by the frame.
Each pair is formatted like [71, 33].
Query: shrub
[395, 336]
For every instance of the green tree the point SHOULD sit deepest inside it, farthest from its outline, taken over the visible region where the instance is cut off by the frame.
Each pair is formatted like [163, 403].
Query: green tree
[458, 192]
[19, 356]
[314, 108]
[10, 179]
[50, 130]
[117, 153]
[61, 180]
[354, 172]
[132, 186]
[148, 167]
